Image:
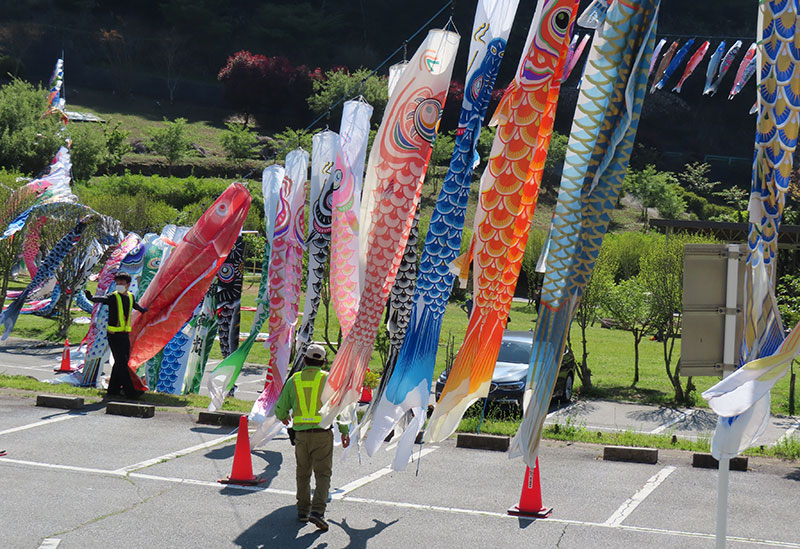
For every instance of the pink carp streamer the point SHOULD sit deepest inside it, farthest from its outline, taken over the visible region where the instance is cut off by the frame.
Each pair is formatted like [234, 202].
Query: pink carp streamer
[285, 274]
[30, 248]
[395, 172]
[348, 169]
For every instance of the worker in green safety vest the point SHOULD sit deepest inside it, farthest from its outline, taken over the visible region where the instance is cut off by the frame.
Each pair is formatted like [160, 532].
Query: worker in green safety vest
[313, 445]
[120, 306]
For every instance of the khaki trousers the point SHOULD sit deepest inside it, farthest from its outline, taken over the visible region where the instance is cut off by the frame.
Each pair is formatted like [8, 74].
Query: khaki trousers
[313, 452]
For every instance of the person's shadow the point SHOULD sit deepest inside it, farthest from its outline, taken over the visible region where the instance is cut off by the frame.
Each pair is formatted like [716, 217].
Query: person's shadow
[359, 538]
[278, 529]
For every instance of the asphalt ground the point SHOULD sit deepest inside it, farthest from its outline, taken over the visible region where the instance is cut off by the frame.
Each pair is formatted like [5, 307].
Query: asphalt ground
[88, 479]
[20, 357]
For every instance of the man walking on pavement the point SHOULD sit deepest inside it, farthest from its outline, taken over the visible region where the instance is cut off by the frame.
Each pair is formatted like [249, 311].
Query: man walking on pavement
[313, 445]
[120, 306]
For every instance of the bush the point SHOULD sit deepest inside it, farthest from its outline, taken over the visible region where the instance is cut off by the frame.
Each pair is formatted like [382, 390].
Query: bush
[172, 140]
[340, 84]
[442, 150]
[139, 212]
[288, 140]
[238, 141]
[27, 141]
[87, 152]
[626, 251]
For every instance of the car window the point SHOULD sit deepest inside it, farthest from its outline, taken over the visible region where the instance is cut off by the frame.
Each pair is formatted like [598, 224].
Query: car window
[518, 352]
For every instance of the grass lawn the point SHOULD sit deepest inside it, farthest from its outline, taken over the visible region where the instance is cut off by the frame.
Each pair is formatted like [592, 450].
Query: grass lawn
[610, 352]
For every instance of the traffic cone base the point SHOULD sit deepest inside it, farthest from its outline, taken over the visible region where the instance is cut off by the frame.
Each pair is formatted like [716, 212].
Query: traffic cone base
[242, 472]
[530, 502]
[65, 367]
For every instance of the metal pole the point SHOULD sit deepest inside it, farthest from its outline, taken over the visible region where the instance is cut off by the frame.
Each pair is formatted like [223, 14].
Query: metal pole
[728, 359]
[722, 502]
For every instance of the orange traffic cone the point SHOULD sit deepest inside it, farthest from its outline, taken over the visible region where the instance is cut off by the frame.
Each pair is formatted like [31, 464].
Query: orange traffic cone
[242, 464]
[65, 367]
[530, 502]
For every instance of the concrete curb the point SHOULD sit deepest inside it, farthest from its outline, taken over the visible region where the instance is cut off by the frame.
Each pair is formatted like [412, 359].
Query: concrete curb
[55, 401]
[130, 409]
[483, 442]
[707, 461]
[229, 419]
[631, 453]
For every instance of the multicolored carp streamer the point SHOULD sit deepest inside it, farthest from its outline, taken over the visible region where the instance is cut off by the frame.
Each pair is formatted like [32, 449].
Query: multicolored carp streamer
[742, 399]
[223, 377]
[674, 64]
[204, 327]
[746, 69]
[724, 67]
[662, 66]
[600, 143]
[401, 299]
[54, 99]
[229, 298]
[185, 276]
[713, 65]
[408, 388]
[156, 252]
[576, 56]
[285, 272]
[656, 53]
[47, 270]
[692, 65]
[396, 169]
[323, 179]
[346, 283]
[509, 189]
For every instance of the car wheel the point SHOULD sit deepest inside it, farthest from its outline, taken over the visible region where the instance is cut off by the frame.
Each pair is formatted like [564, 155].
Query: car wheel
[567, 394]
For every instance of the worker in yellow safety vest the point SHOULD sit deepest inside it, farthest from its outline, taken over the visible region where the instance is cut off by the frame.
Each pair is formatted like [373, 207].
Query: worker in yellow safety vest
[120, 306]
[313, 445]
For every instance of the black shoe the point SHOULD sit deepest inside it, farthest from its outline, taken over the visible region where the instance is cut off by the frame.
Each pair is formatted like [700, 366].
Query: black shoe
[318, 521]
[302, 517]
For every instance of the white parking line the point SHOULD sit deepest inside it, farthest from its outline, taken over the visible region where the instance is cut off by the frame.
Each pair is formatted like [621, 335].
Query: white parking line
[493, 514]
[173, 455]
[422, 507]
[633, 502]
[50, 543]
[72, 468]
[683, 415]
[339, 493]
[38, 424]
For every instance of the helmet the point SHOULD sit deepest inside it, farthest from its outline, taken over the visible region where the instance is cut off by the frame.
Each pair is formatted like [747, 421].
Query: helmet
[315, 355]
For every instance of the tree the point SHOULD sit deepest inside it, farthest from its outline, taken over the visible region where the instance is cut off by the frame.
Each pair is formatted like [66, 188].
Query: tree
[594, 295]
[661, 275]
[629, 304]
[341, 84]
[27, 140]
[695, 177]
[736, 197]
[262, 86]
[655, 189]
[15, 200]
[533, 249]
[171, 140]
[73, 271]
[238, 141]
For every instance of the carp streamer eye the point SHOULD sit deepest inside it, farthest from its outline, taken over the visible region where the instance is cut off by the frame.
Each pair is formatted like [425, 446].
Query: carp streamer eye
[222, 208]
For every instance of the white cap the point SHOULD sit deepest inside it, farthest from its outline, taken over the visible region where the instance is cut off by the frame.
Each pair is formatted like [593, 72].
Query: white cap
[315, 355]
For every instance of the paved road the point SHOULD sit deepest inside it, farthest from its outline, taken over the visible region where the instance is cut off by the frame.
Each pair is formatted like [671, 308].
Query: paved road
[19, 358]
[85, 480]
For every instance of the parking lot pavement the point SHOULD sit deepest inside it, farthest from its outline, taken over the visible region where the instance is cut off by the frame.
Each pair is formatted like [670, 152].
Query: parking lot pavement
[690, 423]
[96, 480]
